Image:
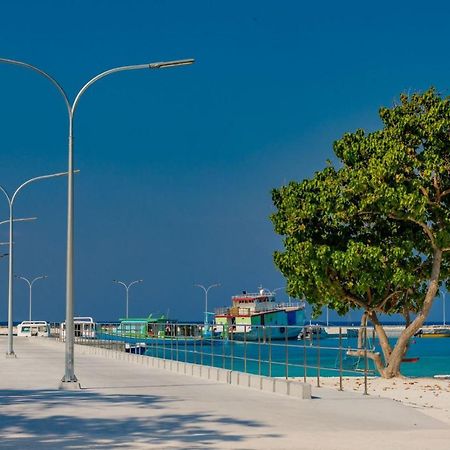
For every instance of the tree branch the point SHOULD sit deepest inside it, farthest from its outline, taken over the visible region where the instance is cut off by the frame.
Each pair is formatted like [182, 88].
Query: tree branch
[425, 228]
[444, 193]
[374, 356]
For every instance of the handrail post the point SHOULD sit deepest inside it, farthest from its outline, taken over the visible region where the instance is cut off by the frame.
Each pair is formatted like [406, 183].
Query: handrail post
[185, 343]
[195, 344]
[212, 346]
[318, 358]
[232, 348]
[223, 347]
[177, 347]
[340, 359]
[259, 351]
[171, 341]
[304, 355]
[270, 351]
[365, 361]
[287, 352]
[245, 348]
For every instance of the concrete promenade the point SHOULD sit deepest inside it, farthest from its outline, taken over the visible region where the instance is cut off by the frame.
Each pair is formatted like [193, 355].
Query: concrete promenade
[129, 405]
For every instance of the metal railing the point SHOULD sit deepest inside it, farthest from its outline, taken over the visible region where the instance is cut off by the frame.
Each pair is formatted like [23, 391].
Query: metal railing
[272, 351]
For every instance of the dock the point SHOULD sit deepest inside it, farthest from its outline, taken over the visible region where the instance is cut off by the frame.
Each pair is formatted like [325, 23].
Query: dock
[127, 404]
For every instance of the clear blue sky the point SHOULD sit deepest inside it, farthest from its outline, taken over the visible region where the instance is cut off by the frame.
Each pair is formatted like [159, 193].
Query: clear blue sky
[177, 165]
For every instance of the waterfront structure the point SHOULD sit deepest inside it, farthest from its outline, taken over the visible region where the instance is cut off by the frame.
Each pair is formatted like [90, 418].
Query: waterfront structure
[254, 316]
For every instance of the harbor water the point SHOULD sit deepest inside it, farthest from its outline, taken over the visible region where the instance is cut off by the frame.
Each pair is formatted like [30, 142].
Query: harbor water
[322, 357]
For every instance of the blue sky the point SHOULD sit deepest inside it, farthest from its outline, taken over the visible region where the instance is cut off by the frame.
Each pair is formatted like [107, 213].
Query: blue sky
[177, 165]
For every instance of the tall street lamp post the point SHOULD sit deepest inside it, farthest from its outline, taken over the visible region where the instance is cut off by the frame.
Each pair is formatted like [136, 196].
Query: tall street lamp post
[69, 380]
[206, 290]
[11, 199]
[30, 285]
[127, 288]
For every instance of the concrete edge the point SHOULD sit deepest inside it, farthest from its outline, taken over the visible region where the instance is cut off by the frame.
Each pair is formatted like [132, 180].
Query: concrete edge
[279, 386]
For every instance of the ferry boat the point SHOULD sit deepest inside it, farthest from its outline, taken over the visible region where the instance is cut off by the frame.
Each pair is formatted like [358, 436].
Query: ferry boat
[33, 328]
[254, 316]
[150, 330]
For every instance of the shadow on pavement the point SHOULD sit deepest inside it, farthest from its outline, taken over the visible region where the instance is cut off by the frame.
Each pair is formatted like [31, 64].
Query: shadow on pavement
[40, 419]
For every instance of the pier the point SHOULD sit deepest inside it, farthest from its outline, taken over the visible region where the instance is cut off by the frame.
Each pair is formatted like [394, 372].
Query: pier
[128, 404]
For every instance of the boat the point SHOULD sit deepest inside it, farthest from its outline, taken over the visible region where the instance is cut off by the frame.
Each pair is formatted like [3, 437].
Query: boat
[84, 327]
[258, 316]
[30, 328]
[434, 331]
[309, 331]
[151, 330]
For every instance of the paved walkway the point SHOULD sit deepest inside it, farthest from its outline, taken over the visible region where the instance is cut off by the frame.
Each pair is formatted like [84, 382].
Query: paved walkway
[127, 405]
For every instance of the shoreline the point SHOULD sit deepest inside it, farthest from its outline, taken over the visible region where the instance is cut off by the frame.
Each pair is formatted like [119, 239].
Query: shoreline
[429, 395]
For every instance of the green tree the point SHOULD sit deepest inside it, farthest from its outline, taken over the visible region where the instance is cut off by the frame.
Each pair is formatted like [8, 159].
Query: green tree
[374, 234]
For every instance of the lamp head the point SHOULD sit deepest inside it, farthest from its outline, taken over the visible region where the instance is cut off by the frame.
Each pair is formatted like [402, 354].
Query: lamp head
[166, 64]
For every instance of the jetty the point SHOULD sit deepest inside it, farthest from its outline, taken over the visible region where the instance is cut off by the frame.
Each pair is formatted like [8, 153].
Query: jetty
[125, 402]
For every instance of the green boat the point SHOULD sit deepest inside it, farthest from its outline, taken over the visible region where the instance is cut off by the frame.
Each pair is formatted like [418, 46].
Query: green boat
[150, 330]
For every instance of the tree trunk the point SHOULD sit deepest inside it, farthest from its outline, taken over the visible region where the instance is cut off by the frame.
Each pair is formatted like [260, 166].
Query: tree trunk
[393, 357]
[393, 363]
[361, 330]
[382, 337]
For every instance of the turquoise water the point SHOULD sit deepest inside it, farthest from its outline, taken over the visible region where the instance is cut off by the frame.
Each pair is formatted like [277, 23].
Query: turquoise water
[296, 358]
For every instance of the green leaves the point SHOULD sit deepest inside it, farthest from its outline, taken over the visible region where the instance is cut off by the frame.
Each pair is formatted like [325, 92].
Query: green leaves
[362, 236]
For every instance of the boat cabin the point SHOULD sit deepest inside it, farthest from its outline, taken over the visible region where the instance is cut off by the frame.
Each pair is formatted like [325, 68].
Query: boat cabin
[33, 328]
[83, 327]
[153, 327]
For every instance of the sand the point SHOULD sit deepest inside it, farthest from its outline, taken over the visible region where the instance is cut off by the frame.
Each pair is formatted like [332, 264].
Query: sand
[429, 395]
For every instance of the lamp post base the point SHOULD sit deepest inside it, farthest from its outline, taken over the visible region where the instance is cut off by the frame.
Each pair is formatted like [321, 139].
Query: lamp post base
[11, 355]
[69, 385]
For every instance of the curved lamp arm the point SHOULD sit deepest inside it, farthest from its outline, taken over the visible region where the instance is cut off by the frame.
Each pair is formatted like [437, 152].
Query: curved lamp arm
[6, 195]
[157, 65]
[42, 177]
[24, 219]
[44, 74]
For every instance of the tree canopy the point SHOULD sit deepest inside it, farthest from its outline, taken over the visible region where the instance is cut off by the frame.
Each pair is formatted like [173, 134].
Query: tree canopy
[374, 232]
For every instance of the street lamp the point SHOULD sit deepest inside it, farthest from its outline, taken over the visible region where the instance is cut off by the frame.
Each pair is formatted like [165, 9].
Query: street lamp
[30, 284]
[206, 290]
[127, 288]
[69, 381]
[25, 219]
[11, 198]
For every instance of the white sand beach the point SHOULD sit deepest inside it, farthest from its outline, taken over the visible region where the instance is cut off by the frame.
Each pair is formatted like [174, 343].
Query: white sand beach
[429, 395]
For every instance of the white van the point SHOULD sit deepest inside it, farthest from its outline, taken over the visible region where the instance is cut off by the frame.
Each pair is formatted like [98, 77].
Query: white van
[33, 328]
